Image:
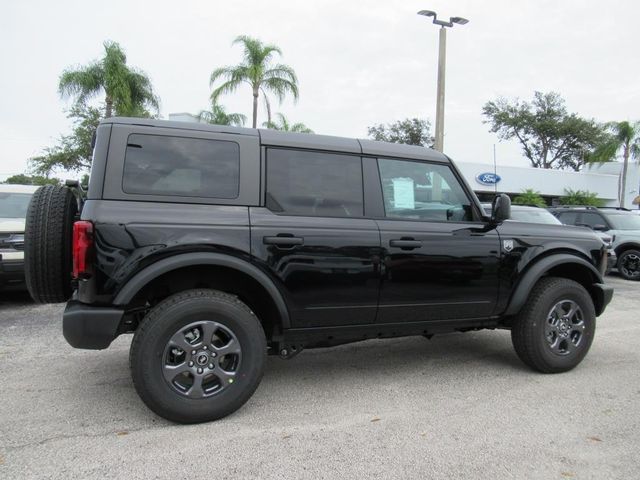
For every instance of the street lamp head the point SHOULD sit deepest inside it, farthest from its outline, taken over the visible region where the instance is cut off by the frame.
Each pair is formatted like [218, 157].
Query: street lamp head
[459, 20]
[427, 13]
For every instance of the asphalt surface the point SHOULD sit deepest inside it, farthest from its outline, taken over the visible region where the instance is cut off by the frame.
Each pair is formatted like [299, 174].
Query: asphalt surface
[456, 406]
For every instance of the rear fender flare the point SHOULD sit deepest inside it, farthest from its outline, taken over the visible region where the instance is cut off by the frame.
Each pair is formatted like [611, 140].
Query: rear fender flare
[142, 278]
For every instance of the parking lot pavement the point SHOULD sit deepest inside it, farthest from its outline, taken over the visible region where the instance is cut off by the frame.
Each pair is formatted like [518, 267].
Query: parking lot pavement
[457, 406]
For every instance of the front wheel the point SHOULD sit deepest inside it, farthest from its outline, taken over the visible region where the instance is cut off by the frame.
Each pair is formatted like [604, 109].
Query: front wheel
[555, 328]
[198, 356]
[629, 264]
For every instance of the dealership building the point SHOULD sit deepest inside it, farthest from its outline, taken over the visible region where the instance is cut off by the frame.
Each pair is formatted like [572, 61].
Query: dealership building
[601, 179]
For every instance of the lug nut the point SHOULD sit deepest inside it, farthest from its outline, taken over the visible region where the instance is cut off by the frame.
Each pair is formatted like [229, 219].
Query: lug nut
[214, 354]
[211, 365]
[204, 348]
[199, 370]
[191, 364]
[193, 352]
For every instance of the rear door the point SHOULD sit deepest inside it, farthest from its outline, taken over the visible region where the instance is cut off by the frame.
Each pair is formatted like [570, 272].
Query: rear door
[439, 263]
[312, 236]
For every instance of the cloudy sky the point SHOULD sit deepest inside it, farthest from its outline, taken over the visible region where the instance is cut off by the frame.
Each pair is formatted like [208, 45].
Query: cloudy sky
[358, 63]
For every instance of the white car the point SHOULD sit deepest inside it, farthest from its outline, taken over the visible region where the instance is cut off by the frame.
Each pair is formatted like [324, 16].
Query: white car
[14, 201]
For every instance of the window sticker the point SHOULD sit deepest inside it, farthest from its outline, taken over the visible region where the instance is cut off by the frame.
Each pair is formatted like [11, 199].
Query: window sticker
[403, 193]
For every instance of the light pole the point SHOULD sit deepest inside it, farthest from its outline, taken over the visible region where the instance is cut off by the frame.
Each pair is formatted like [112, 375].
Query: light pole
[442, 53]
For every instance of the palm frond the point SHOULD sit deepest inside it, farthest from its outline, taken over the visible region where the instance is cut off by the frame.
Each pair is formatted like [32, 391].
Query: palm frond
[82, 82]
[280, 87]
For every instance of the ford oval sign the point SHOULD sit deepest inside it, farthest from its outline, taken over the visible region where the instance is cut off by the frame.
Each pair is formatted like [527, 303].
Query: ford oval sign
[488, 178]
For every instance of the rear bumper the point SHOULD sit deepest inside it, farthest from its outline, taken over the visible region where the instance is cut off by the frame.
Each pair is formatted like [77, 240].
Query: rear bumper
[11, 270]
[88, 327]
[603, 295]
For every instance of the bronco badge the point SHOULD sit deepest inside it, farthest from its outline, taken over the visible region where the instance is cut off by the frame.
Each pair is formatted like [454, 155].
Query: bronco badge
[507, 245]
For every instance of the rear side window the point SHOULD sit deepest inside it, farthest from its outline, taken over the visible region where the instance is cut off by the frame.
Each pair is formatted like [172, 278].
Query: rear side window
[568, 218]
[314, 183]
[179, 166]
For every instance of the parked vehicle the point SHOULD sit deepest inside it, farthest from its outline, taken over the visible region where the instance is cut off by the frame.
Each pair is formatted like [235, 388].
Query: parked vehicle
[14, 200]
[535, 214]
[620, 223]
[218, 245]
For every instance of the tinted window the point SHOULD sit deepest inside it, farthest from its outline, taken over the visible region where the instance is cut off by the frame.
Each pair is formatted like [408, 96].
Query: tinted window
[568, 218]
[314, 183]
[422, 191]
[189, 167]
[14, 205]
[592, 219]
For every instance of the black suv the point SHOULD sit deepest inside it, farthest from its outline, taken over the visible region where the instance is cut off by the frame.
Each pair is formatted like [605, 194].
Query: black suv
[217, 245]
[621, 224]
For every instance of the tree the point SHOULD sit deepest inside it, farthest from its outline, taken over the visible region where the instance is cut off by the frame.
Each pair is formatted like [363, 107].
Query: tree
[625, 137]
[127, 90]
[580, 197]
[284, 126]
[73, 151]
[218, 115]
[23, 179]
[550, 137]
[529, 197]
[410, 131]
[256, 70]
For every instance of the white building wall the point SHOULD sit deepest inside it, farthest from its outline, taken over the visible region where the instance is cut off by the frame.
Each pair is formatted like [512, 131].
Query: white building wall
[547, 182]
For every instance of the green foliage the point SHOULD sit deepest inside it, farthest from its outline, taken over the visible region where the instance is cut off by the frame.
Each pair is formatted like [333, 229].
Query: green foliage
[218, 115]
[580, 197]
[550, 136]
[23, 179]
[410, 131]
[283, 125]
[529, 197]
[623, 137]
[73, 152]
[127, 90]
[256, 70]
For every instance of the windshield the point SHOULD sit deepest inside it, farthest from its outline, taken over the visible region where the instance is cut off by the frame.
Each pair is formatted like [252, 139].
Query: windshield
[533, 215]
[624, 221]
[14, 205]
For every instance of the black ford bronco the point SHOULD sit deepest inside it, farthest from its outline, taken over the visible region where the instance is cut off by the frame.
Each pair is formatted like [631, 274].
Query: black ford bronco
[216, 246]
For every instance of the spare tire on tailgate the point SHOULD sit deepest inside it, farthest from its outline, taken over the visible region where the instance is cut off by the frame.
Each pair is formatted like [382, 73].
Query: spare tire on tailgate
[47, 243]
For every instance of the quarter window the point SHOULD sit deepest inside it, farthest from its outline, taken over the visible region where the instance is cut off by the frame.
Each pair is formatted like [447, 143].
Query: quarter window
[179, 166]
[314, 183]
[422, 191]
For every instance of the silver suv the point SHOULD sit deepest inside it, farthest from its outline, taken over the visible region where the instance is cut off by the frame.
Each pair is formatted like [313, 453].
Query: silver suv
[623, 226]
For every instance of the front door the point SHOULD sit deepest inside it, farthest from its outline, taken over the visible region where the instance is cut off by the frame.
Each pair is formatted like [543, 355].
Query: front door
[440, 262]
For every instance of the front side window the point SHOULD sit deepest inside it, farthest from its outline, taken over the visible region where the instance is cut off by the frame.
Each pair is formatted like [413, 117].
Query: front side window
[593, 219]
[179, 166]
[422, 191]
[314, 183]
[568, 218]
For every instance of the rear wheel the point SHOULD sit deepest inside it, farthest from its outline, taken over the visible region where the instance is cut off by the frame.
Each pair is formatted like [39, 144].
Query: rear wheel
[47, 243]
[555, 328]
[198, 356]
[629, 264]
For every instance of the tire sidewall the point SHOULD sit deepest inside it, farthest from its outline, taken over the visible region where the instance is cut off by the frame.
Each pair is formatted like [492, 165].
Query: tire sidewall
[148, 352]
[570, 291]
[620, 260]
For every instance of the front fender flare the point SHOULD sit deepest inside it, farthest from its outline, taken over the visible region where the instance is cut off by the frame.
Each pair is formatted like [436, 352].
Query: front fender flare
[535, 272]
[142, 278]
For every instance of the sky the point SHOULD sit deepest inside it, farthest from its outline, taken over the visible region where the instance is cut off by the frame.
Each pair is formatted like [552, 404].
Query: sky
[359, 63]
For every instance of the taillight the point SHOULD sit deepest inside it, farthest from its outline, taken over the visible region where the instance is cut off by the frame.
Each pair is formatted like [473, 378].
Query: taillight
[82, 248]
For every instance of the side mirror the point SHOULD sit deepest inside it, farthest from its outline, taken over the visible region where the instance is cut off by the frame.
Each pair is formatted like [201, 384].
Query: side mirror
[501, 208]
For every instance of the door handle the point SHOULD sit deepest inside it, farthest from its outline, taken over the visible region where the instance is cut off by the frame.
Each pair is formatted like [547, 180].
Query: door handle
[282, 241]
[405, 243]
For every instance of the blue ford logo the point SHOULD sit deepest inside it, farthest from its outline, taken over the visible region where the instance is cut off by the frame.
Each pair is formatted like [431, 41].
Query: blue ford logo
[488, 178]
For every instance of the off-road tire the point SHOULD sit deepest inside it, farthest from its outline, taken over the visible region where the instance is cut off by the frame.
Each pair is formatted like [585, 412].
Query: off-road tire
[147, 354]
[528, 329]
[623, 271]
[47, 243]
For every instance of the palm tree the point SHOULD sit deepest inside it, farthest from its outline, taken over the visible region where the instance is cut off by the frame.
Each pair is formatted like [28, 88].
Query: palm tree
[127, 90]
[622, 136]
[284, 126]
[218, 115]
[256, 70]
